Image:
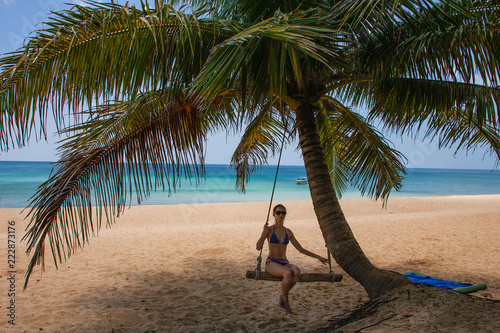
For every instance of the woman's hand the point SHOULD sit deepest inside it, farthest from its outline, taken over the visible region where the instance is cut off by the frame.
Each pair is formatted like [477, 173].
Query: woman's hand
[322, 260]
[263, 237]
[265, 230]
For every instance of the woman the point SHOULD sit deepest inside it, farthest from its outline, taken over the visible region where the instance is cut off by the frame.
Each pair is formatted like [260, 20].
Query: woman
[277, 265]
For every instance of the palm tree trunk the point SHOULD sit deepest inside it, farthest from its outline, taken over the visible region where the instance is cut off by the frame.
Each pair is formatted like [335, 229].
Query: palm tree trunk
[334, 227]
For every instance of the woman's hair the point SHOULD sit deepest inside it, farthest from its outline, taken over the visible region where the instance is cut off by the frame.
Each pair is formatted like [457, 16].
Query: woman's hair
[276, 207]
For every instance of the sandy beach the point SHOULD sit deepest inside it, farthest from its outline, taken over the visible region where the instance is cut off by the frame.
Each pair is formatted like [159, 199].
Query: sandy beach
[181, 268]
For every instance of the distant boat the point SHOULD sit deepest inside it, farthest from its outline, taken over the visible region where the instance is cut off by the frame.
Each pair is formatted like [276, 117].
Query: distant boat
[301, 180]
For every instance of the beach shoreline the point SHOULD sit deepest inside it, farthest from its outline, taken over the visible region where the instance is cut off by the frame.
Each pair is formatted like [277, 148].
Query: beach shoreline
[171, 268]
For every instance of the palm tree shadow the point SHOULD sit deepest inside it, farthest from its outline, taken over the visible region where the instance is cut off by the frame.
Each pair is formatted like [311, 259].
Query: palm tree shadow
[205, 294]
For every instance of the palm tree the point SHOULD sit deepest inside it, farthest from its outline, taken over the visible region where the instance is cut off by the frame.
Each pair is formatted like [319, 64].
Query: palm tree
[156, 81]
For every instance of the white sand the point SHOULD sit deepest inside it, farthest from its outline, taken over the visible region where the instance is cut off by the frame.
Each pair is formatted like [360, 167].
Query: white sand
[181, 268]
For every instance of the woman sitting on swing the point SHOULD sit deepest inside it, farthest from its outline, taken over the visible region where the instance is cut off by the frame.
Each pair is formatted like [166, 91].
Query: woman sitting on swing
[276, 263]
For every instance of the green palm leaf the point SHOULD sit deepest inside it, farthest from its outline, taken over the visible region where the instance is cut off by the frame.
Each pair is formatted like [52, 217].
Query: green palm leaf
[267, 56]
[127, 147]
[438, 50]
[267, 132]
[451, 45]
[407, 103]
[90, 54]
[358, 153]
[457, 129]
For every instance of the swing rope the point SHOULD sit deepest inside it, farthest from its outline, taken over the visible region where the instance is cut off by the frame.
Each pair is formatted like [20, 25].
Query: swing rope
[332, 274]
[259, 258]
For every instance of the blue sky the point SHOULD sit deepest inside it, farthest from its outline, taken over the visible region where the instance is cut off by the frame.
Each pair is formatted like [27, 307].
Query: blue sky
[18, 18]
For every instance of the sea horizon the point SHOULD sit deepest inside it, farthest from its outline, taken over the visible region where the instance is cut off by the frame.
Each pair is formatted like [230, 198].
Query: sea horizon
[275, 165]
[19, 180]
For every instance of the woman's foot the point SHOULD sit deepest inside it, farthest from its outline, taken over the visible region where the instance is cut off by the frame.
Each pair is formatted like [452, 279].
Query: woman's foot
[281, 304]
[284, 305]
[287, 307]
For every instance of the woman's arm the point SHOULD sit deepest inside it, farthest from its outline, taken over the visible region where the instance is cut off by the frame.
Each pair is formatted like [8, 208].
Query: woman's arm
[263, 236]
[299, 248]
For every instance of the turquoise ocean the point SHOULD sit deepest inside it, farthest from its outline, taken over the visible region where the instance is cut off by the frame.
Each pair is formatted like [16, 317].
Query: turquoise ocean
[19, 181]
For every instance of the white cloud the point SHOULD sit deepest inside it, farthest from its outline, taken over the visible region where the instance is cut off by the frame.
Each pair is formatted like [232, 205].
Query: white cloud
[7, 2]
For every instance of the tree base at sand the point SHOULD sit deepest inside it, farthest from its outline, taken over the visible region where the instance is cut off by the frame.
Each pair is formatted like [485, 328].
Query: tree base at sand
[421, 308]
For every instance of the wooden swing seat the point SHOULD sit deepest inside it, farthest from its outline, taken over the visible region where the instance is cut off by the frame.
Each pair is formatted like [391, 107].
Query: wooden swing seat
[305, 277]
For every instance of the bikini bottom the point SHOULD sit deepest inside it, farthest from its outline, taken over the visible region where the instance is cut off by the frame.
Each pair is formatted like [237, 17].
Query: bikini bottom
[277, 260]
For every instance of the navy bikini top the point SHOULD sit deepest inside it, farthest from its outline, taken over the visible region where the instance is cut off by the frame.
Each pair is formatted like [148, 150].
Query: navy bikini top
[275, 240]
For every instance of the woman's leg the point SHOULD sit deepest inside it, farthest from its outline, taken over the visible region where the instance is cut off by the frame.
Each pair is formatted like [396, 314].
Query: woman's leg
[296, 275]
[287, 273]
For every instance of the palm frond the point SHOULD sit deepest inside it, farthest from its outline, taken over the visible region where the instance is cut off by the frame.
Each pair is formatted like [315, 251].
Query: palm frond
[455, 45]
[457, 129]
[264, 57]
[375, 167]
[246, 11]
[367, 12]
[126, 148]
[450, 41]
[339, 171]
[405, 104]
[105, 52]
[265, 134]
